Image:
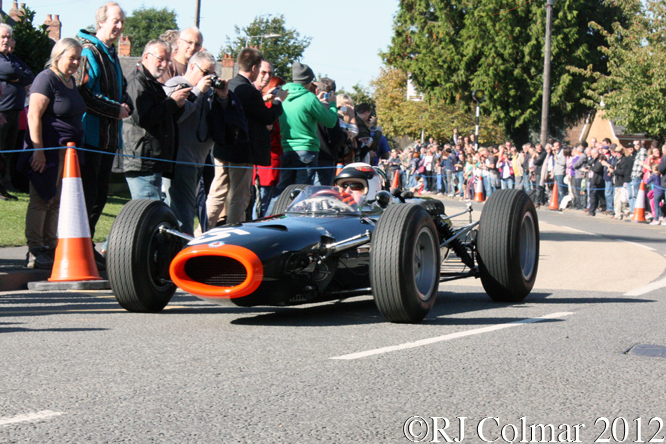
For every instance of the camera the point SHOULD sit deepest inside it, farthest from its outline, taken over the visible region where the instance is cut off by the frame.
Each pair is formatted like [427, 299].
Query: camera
[191, 97]
[218, 83]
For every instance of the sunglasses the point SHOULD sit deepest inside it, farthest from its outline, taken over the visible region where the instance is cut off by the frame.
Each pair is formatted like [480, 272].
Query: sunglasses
[354, 186]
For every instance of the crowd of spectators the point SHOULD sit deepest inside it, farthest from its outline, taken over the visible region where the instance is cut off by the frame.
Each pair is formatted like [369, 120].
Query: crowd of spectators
[599, 176]
[162, 123]
[171, 116]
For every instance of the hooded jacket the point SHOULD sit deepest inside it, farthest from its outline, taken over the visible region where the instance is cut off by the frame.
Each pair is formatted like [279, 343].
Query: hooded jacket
[302, 112]
[102, 85]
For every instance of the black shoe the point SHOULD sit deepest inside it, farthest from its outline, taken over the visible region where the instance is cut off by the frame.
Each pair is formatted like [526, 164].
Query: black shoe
[4, 195]
[39, 257]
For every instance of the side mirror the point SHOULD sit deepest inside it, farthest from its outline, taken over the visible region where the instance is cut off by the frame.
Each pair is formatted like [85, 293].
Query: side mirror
[294, 194]
[383, 199]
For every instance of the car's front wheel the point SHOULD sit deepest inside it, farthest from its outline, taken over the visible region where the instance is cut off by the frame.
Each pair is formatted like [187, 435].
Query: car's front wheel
[139, 255]
[405, 263]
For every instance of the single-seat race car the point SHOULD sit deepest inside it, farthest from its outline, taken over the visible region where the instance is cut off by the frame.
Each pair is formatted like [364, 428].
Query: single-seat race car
[324, 243]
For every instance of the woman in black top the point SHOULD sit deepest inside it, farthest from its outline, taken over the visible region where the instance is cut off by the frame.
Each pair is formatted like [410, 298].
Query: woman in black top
[54, 118]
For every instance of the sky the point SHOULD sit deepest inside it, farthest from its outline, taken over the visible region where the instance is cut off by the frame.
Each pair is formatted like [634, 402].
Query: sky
[346, 34]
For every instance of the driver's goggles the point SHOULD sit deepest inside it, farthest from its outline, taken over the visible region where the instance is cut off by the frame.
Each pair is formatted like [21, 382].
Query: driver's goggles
[354, 186]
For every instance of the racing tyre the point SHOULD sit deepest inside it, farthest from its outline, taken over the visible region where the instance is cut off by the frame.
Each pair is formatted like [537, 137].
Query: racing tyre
[285, 199]
[405, 263]
[139, 256]
[508, 246]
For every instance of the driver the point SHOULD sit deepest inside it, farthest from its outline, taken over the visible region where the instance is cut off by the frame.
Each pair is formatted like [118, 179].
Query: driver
[358, 180]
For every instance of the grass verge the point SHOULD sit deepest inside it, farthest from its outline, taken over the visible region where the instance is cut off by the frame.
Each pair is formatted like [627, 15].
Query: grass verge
[12, 219]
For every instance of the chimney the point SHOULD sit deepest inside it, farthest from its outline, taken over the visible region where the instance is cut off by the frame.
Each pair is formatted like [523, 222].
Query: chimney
[14, 12]
[54, 27]
[124, 46]
[228, 61]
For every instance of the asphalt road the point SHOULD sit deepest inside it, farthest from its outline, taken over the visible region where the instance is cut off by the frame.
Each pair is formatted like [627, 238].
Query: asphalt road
[76, 368]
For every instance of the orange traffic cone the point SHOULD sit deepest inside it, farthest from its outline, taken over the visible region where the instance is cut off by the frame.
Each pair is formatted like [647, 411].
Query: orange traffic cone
[396, 180]
[338, 168]
[554, 199]
[478, 189]
[74, 259]
[639, 207]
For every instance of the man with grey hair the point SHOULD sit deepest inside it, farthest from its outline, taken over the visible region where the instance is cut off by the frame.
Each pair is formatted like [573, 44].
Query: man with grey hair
[150, 133]
[578, 163]
[103, 87]
[194, 136]
[189, 42]
[14, 77]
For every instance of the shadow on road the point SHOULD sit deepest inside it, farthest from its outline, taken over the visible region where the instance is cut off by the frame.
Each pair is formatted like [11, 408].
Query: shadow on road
[580, 237]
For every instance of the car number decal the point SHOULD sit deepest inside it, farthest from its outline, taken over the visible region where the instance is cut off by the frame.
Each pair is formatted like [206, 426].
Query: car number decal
[216, 235]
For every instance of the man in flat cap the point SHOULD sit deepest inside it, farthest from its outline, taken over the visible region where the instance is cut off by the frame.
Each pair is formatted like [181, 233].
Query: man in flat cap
[303, 110]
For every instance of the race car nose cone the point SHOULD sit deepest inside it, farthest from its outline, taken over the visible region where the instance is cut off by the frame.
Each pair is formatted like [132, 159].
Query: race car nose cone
[217, 271]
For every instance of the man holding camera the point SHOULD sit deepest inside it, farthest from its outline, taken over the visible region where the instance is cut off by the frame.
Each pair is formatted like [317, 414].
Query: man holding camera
[234, 162]
[194, 135]
[149, 133]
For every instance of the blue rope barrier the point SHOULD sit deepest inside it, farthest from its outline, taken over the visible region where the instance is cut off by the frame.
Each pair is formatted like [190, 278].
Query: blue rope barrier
[419, 175]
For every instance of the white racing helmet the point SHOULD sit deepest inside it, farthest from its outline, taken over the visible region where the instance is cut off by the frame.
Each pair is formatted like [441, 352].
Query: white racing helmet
[361, 172]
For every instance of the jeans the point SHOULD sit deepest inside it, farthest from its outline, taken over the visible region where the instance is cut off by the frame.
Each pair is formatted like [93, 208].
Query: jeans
[577, 190]
[448, 179]
[325, 176]
[634, 185]
[527, 184]
[507, 184]
[487, 186]
[461, 180]
[304, 164]
[609, 196]
[182, 195]
[657, 198]
[144, 185]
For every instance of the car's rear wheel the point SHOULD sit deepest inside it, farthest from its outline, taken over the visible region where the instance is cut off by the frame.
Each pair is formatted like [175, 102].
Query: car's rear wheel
[139, 256]
[405, 263]
[508, 246]
[283, 201]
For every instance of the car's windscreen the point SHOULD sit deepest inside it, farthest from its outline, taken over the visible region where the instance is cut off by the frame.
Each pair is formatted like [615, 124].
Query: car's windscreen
[323, 200]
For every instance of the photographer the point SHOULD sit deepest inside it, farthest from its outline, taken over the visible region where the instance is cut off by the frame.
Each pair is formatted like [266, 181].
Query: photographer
[194, 135]
[149, 134]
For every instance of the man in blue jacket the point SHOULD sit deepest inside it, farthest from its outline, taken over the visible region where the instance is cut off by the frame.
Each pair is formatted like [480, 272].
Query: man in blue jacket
[102, 85]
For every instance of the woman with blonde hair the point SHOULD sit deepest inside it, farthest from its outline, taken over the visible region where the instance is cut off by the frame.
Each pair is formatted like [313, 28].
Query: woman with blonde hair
[54, 119]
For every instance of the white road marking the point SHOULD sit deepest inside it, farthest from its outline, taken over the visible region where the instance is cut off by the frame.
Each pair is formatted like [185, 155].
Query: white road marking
[637, 244]
[44, 414]
[580, 231]
[648, 288]
[449, 337]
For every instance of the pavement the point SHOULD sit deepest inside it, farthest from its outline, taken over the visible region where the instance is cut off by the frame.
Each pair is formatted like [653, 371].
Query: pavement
[13, 273]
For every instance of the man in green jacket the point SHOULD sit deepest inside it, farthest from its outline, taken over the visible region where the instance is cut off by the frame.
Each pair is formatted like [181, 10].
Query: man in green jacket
[298, 127]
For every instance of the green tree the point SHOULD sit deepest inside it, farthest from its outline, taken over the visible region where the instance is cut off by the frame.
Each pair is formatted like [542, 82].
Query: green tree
[453, 47]
[146, 24]
[33, 45]
[633, 91]
[281, 51]
[400, 117]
